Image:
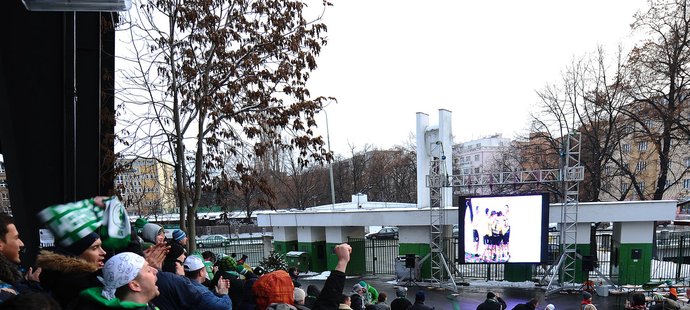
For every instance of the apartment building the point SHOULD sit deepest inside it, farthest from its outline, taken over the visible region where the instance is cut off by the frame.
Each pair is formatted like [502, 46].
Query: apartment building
[145, 186]
[639, 169]
[480, 156]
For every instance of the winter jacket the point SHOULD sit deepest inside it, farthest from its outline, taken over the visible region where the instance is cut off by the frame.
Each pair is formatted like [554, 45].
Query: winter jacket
[526, 306]
[418, 305]
[312, 293]
[9, 277]
[400, 303]
[236, 291]
[667, 304]
[382, 306]
[64, 277]
[331, 292]
[356, 302]
[248, 302]
[91, 299]
[280, 306]
[209, 300]
[492, 304]
[302, 307]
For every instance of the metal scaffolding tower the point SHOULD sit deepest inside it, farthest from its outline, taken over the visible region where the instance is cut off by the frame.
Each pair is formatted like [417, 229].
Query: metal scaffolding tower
[569, 175]
[439, 264]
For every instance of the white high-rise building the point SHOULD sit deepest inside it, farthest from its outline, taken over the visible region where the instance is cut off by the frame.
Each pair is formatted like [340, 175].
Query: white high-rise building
[480, 156]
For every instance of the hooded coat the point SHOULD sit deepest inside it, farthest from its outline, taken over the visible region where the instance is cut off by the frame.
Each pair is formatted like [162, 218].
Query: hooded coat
[9, 277]
[64, 277]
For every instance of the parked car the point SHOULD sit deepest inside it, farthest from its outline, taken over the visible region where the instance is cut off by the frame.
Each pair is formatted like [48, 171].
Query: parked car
[553, 227]
[212, 241]
[384, 233]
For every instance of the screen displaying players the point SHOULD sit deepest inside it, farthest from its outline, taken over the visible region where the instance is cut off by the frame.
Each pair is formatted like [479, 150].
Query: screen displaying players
[503, 229]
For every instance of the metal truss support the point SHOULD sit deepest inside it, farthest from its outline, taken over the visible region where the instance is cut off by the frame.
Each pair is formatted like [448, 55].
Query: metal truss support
[440, 272]
[570, 156]
[569, 175]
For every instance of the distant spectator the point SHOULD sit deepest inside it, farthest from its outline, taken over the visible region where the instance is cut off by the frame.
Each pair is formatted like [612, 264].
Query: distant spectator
[312, 293]
[371, 293]
[344, 303]
[210, 263]
[294, 275]
[492, 302]
[586, 300]
[381, 302]
[356, 301]
[400, 302]
[419, 299]
[195, 270]
[530, 305]
[638, 302]
[180, 237]
[300, 296]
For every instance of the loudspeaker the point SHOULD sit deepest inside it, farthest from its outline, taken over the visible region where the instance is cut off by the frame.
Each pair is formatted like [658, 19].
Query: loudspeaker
[410, 260]
[636, 254]
[587, 263]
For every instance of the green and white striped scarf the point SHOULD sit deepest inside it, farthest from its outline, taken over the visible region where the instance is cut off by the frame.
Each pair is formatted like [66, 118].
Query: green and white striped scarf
[72, 221]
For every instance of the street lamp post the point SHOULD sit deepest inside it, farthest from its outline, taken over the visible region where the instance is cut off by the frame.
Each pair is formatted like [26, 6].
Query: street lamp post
[330, 166]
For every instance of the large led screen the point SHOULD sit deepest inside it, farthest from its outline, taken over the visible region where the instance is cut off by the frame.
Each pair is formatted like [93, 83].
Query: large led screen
[503, 229]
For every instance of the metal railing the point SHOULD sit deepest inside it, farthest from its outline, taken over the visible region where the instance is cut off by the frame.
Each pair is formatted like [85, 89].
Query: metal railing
[252, 247]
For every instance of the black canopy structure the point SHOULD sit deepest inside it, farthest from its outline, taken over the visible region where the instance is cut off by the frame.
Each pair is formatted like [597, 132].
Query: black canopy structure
[56, 109]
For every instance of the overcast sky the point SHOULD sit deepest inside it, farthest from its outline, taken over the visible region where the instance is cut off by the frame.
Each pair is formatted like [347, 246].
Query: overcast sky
[482, 60]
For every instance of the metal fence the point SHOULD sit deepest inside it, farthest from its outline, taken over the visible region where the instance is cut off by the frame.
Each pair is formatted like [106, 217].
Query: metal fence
[252, 247]
[381, 256]
[671, 256]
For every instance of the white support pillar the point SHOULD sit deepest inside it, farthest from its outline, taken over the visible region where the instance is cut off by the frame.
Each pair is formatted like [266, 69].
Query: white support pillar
[423, 161]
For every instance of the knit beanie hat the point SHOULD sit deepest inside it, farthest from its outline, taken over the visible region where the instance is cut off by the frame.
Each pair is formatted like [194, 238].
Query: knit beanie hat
[120, 270]
[490, 295]
[227, 263]
[80, 246]
[175, 251]
[401, 291]
[139, 224]
[178, 235]
[419, 296]
[550, 307]
[300, 295]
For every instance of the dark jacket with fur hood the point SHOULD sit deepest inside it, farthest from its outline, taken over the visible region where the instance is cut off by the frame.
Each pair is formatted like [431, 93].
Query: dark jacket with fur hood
[66, 276]
[9, 278]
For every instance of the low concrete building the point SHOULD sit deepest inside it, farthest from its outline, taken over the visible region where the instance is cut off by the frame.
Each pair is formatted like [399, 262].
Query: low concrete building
[316, 231]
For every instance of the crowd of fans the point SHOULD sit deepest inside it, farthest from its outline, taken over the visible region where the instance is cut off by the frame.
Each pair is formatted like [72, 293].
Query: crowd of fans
[100, 261]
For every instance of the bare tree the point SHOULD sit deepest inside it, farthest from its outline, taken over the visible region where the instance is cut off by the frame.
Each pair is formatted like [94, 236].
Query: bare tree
[587, 100]
[658, 87]
[217, 77]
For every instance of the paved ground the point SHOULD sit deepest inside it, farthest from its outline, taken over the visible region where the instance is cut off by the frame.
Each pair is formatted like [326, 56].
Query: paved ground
[468, 297]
